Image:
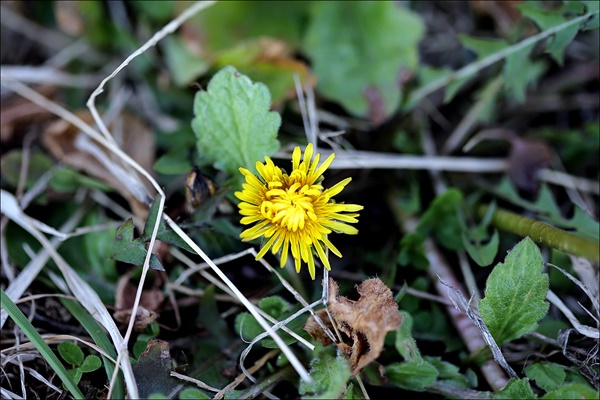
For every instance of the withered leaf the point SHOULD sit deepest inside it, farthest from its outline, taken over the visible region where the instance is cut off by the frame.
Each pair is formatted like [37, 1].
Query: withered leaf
[363, 324]
[76, 149]
[150, 302]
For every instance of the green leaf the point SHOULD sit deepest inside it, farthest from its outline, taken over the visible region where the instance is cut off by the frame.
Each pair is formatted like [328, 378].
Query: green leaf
[174, 162]
[66, 179]
[441, 219]
[90, 364]
[224, 26]
[75, 374]
[412, 375]
[482, 254]
[482, 47]
[275, 306]
[545, 205]
[515, 73]
[71, 353]
[210, 317]
[131, 251]
[358, 47]
[514, 294]
[251, 57]
[548, 376]
[329, 374]
[549, 19]
[516, 389]
[193, 394]
[39, 163]
[405, 343]
[153, 370]
[92, 327]
[96, 249]
[412, 251]
[592, 6]
[572, 391]
[233, 124]
[163, 233]
[448, 372]
[184, 65]
[248, 327]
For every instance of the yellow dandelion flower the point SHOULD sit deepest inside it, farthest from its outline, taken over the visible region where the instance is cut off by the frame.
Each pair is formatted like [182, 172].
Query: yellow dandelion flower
[294, 211]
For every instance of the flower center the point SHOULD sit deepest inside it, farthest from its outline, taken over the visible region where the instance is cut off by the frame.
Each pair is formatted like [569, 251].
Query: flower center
[290, 207]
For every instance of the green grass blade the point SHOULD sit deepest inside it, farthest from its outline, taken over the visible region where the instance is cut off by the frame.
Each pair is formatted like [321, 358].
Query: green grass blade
[22, 322]
[100, 338]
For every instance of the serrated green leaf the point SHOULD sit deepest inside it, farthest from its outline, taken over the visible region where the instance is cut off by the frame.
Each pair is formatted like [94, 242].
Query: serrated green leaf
[344, 37]
[592, 6]
[514, 294]
[329, 374]
[131, 251]
[353, 393]
[90, 364]
[412, 375]
[405, 343]
[550, 19]
[572, 391]
[516, 389]
[163, 234]
[71, 353]
[233, 125]
[548, 376]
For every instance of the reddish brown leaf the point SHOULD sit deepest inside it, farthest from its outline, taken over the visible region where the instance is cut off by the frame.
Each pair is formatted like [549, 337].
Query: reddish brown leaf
[362, 323]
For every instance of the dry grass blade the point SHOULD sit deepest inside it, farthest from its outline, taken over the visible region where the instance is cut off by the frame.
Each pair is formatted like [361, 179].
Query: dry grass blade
[88, 298]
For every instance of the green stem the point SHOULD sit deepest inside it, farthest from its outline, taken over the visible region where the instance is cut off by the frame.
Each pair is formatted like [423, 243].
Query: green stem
[543, 233]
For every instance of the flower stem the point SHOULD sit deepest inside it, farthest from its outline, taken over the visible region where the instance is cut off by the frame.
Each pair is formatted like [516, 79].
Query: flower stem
[542, 233]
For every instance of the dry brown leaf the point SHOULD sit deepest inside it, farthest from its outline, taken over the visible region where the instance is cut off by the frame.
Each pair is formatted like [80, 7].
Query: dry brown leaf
[76, 149]
[363, 323]
[150, 302]
[18, 114]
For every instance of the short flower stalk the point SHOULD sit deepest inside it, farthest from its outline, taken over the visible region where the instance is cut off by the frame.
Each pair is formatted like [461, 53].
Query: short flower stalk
[294, 212]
